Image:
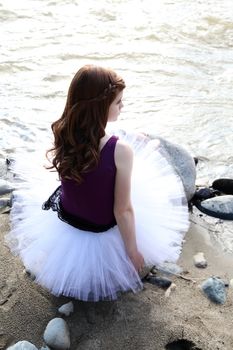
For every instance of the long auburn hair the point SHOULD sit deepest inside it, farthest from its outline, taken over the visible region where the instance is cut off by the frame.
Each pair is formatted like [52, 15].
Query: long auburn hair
[78, 132]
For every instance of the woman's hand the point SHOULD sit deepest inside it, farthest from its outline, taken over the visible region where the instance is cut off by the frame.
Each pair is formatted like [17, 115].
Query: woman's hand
[137, 260]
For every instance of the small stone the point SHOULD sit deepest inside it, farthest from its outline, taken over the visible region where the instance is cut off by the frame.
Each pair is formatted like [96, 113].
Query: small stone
[161, 282]
[169, 290]
[66, 309]
[57, 334]
[214, 288]
[5, 204]
[29, 274]
[199, 260]
[170, 268]
[23, 345]
[231, 283]
[145, 271]
[204, 193]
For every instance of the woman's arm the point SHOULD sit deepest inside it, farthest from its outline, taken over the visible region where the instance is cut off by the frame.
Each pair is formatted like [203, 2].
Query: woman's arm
[123, 209]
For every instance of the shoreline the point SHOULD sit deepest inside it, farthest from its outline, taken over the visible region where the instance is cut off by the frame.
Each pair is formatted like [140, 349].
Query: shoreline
[147, 320]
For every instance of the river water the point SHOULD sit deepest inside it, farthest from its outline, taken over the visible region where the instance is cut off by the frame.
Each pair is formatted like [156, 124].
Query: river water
[176, 57]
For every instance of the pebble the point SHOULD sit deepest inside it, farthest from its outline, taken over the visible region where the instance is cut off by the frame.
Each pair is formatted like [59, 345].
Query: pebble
[170, 268]
[5, 204]
[204, 193]
[199, 260]
[22, 345]
[66, 309]
[57, 334]
[214, 288]
[29, 274]
[231, 283]
[169, 290]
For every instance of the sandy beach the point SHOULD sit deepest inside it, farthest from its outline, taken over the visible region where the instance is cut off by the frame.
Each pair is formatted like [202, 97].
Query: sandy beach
[148, 320]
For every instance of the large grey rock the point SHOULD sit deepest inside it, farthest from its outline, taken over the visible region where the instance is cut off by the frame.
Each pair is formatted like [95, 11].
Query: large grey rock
[180, 159]
[219, 205]
[183, 163]
[5, 187]
[23, 345]
[57, 334]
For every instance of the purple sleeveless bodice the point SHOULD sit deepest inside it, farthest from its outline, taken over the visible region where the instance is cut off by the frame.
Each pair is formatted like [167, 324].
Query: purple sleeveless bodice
[93, 199]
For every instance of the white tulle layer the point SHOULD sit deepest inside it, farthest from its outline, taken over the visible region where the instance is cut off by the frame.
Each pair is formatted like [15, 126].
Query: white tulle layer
[94, 266]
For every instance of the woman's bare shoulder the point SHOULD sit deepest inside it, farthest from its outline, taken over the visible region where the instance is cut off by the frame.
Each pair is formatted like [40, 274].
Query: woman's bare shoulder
[123, 152]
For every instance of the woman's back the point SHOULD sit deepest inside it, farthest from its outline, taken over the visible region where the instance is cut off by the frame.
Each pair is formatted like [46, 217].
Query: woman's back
[93, 199]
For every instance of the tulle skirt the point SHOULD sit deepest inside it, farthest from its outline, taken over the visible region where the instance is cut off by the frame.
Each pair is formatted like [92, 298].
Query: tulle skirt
[95, 266]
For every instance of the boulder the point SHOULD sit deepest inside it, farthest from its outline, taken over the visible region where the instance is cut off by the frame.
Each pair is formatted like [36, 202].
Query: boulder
[183, 163]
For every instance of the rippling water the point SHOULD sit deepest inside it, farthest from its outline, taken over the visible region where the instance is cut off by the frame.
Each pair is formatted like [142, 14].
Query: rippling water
[175, 55]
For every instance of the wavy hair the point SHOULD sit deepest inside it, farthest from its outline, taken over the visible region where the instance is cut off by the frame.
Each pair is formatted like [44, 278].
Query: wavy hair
[78, 132]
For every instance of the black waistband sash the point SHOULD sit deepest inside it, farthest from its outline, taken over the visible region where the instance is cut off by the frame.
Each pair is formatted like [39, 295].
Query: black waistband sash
[54, 203]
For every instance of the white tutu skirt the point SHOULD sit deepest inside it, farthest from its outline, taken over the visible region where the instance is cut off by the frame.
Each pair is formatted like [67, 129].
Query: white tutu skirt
[95, 266]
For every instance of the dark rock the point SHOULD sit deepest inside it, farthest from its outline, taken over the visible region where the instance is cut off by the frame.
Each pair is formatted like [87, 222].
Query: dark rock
[204, 193]
[161, 282]
[223, 185]
[181, 344]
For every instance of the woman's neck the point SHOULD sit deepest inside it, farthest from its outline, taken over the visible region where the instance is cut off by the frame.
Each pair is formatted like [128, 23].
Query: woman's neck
[103, 140]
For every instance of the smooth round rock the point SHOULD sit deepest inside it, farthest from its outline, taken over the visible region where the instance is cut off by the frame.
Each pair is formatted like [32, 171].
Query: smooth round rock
[23, 345]
[220, 207]
[66, 309]
[57, 334]
[214, 289]
[199, 260]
